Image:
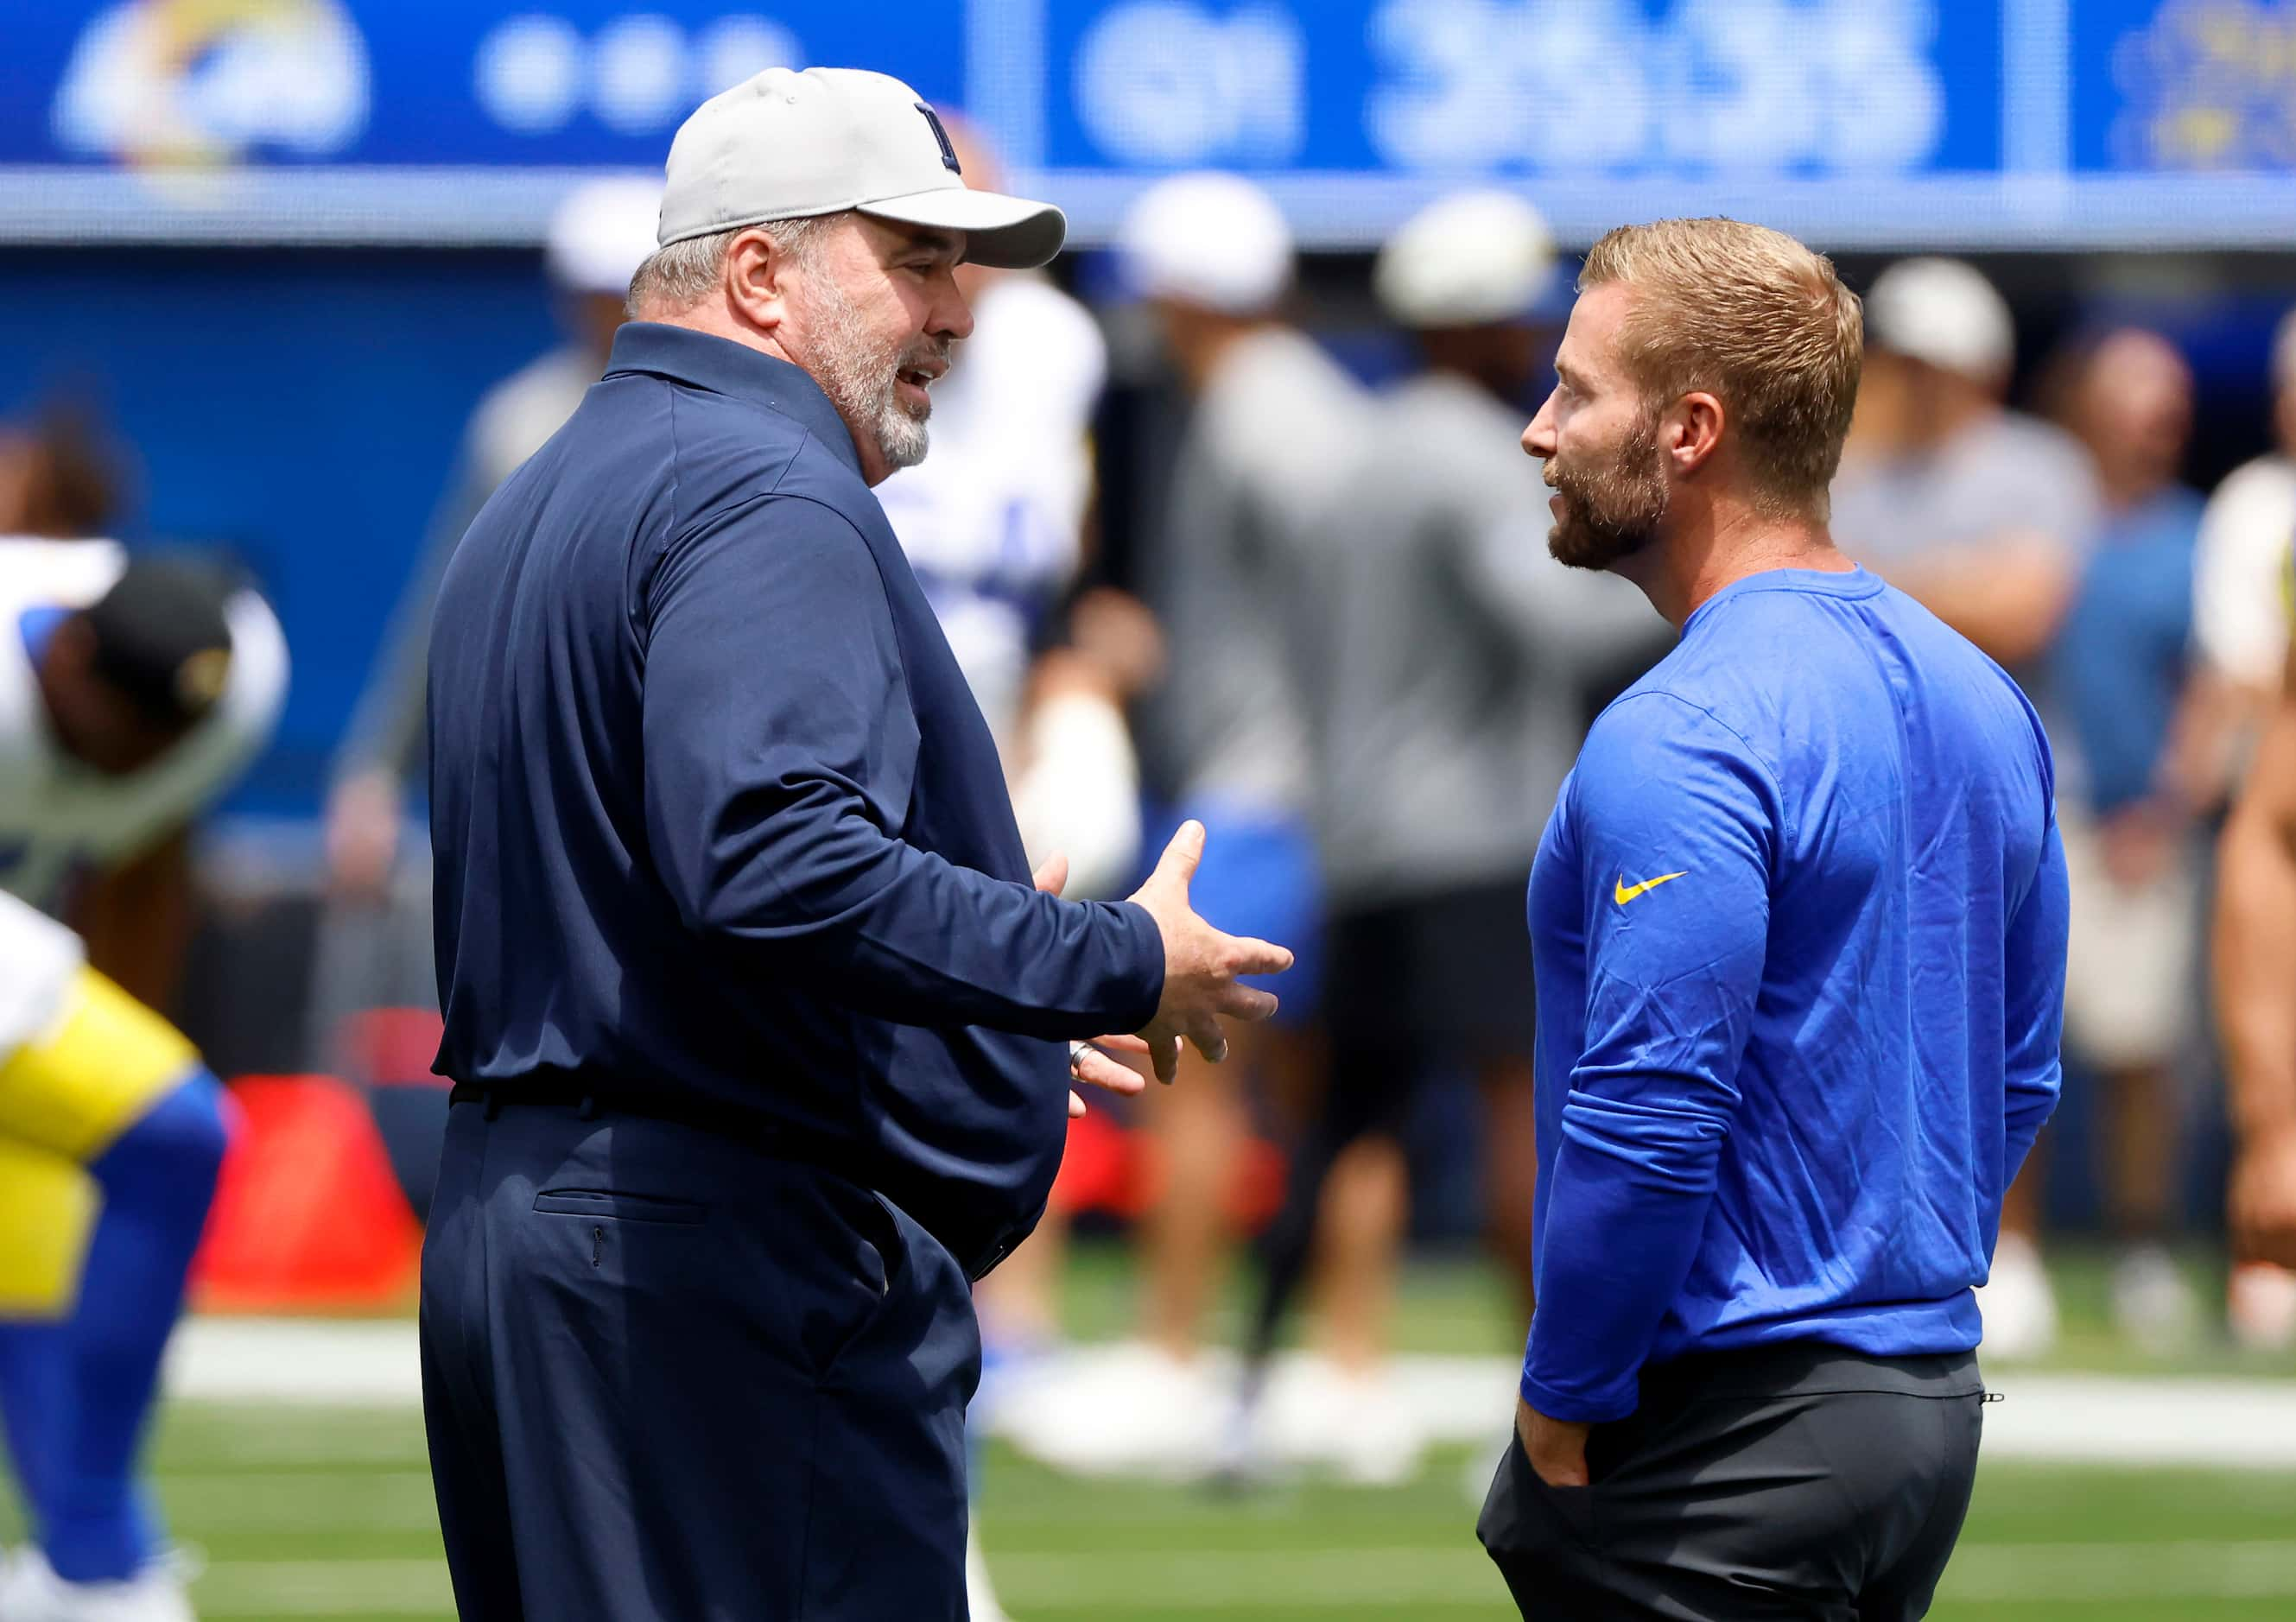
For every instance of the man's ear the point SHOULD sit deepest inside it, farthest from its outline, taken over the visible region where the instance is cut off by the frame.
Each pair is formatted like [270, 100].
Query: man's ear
[757, 272]
[1694, 431]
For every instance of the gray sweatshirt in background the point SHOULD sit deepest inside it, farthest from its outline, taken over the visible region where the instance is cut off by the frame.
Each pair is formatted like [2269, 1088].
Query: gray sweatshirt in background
[1451, 657]
[1267, 449]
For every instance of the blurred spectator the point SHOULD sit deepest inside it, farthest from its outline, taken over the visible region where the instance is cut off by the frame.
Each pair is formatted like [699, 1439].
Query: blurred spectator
[133, 693]
[1444, 688]
[61, 478]
[96, 795]
[2117, 671]
[376, 948]
[1274, 425]
[2241, 598]
[2255, 984]
[1979, 511]
[993, 521]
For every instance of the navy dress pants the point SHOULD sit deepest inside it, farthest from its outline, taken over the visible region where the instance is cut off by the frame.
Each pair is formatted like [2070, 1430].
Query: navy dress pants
[669, 1378]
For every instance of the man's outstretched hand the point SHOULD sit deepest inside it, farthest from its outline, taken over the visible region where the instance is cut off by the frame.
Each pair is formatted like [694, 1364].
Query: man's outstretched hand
[1093, 1062]
[1202, 965]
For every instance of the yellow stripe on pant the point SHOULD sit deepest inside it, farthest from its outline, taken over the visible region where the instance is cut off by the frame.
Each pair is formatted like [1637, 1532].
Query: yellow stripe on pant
[65, 1097]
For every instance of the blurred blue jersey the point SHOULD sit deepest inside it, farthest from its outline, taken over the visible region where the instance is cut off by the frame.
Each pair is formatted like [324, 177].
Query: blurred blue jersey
[1799, 922]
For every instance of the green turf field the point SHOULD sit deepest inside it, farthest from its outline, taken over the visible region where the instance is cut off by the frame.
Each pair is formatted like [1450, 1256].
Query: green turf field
[326, 1512]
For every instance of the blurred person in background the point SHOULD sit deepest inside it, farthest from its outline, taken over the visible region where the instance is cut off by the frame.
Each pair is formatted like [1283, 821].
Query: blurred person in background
[1984, 514]
[2244, 598]
[2255, 969]
[61, 476]
[2240, 607]
[374, 949]
[2116, 673]
[1443, 688]
[132, 695]
[1979, 510]
[993, 523]
[1274, 427]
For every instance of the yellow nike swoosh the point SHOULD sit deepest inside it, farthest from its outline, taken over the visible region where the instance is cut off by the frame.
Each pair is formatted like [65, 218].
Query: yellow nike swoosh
[1623, 892]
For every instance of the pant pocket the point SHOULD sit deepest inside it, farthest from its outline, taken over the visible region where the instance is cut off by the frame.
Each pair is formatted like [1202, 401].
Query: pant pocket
[620, 1206]
[1523, 1515]
[861, 1227]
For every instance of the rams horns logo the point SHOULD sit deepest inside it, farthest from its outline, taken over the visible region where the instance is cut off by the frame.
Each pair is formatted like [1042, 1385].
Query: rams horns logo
[202, 83]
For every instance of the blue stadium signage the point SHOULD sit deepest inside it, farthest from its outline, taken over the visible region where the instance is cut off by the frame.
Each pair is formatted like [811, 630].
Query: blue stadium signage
[1968, 123]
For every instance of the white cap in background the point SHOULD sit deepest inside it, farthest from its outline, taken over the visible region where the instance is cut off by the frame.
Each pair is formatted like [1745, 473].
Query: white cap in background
[1470, 259]
[1945, 313]
[1210, 238]
[601, 233]
[789, 145]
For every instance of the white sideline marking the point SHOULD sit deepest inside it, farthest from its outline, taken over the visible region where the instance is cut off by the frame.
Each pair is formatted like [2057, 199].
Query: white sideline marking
[2220, 1424]
[348, 1363]
[2209, 1423]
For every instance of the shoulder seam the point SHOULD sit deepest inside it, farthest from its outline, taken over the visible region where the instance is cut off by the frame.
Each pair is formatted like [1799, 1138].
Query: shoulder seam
[1769, 774]
[805, 439]
[676, 527]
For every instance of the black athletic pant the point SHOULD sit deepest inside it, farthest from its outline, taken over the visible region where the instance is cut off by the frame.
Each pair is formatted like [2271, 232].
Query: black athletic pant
[1798, 1481]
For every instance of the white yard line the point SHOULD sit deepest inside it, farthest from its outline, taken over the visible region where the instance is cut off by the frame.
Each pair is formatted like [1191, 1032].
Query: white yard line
[2212, 1423]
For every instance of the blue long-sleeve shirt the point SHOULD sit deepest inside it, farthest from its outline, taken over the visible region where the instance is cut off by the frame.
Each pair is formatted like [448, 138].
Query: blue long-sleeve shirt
[716, 819]
[1799, 924]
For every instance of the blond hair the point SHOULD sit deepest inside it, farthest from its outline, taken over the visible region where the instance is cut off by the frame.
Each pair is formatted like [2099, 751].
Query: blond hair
[1752, 316]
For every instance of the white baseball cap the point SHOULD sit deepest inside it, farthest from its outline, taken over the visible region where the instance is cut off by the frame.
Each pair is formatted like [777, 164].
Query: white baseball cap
[601, 233]
[1469, 260]
[789, 145]
[1943, 312]
[1210, 238]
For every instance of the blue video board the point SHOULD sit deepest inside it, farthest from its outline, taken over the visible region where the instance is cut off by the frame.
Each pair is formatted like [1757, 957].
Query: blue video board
[1968, 123]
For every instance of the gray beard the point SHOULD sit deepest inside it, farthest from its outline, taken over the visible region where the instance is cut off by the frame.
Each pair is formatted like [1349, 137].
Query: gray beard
[860, 375]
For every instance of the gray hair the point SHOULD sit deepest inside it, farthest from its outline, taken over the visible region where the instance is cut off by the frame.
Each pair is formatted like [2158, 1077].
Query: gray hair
[677, 278]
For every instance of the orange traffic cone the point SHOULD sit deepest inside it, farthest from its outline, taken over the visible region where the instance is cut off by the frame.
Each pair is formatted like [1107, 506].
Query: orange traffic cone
[307, 1216]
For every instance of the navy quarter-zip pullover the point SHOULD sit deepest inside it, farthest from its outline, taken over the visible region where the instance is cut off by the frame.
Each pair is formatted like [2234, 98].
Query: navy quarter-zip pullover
[717, 822]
